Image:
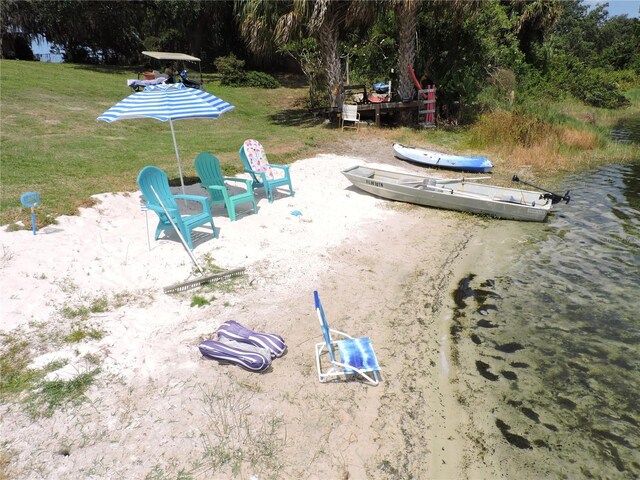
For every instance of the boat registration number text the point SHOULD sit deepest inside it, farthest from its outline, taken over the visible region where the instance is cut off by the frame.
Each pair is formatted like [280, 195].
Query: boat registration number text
[374, 183]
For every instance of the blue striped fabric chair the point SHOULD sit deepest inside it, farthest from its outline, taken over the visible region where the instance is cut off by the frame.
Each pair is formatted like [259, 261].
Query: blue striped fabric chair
[355, 356]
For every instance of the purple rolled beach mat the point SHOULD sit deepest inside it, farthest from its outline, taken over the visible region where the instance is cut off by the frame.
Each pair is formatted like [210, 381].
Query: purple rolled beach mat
[232, 330]
[236, 354]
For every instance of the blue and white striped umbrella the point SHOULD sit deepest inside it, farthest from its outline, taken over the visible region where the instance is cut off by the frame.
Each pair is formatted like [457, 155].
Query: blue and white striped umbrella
[168, 102]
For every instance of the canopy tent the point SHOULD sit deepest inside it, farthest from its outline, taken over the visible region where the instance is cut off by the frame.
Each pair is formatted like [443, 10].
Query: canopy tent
[171, 56]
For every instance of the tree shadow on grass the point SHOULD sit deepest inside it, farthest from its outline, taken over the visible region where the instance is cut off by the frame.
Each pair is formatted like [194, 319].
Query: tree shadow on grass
[117, 69]
[292, 80]
[296, 118]
[188, 180]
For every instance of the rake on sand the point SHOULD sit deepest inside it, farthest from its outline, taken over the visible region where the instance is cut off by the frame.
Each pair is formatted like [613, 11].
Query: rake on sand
[196, 282]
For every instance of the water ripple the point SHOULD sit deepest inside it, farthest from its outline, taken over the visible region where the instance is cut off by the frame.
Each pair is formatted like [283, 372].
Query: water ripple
[571, 301]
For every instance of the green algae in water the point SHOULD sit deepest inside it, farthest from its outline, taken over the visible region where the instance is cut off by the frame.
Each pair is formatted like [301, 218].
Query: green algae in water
[570, 302]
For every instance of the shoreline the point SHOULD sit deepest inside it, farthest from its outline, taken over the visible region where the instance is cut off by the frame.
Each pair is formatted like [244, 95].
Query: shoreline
[383, 269]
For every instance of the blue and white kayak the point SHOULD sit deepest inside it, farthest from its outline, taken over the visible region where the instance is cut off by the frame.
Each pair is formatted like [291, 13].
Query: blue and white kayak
[432, 158]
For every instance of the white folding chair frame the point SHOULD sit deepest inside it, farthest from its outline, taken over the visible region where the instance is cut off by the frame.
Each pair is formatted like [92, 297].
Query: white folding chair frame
[339, 369]
[338, 366]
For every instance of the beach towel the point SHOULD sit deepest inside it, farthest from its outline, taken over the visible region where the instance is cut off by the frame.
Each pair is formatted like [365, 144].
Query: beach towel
[257, 158]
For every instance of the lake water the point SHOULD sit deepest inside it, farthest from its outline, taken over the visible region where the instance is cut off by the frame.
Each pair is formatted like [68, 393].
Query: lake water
[627, 130]
[556, 337]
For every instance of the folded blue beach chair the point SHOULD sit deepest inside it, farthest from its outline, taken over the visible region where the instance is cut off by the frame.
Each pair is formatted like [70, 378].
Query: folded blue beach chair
[355, 356]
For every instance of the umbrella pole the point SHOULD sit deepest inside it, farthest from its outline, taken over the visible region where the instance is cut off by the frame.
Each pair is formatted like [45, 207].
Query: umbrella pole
[175, 145]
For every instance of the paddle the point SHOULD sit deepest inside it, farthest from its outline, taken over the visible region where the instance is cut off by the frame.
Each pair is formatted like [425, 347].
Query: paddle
[555, 198]
[408, 182]
[462, 180]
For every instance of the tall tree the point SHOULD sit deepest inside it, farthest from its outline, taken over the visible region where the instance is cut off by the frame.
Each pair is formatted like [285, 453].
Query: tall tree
[202, 28]
[533, 20]
[17, 26]
[406, 12]
[266, 24]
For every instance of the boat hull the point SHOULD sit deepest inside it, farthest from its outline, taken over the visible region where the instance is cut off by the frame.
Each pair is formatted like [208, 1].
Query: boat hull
[459, 195]
[443, 160]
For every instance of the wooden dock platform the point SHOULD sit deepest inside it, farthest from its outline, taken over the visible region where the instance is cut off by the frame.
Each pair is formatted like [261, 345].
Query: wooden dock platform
[377, 110]
[386, 107]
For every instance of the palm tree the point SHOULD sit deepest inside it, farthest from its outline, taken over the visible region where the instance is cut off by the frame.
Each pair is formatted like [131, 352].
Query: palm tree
[534, 20]
[266, 23]
[406, 12]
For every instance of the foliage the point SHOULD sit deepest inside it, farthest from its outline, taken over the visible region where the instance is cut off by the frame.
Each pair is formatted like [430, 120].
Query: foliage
[90, 32]
[372, 56]
[595, 87]
[115, 32]
[260, 80]
[462, 51]
[307, 54]
[56, 394]
[66, 156]
[233, 74]
[231, 70]
[587, 50]
[199, 301]
[553, 48]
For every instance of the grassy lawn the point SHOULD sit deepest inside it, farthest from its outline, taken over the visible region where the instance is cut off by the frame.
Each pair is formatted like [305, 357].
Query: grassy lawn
[51, 142]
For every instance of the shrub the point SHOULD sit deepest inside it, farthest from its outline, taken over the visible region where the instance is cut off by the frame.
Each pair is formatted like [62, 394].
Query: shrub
[233, 74]
[260, 80]
[594, 87]
[231, 70]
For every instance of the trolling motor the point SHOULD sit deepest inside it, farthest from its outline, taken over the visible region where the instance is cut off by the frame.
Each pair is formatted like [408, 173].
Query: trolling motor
[554, 197]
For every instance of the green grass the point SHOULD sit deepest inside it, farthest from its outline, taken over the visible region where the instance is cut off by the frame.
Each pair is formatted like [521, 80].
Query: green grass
[15, 377]
[41, 397]
[56, 394]
[51, 142]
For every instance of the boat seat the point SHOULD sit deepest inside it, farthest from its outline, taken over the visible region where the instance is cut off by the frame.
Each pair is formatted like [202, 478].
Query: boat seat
[366, 172]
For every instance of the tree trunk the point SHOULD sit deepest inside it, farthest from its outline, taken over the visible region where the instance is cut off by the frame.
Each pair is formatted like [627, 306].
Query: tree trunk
[328, 40]
[406, 12]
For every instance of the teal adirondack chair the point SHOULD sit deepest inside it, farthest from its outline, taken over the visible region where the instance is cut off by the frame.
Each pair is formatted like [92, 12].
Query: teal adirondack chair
[256, 164]
[208, 168]
[152, 178]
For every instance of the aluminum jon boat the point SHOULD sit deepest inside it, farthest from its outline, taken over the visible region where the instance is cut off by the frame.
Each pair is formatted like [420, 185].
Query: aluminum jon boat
[431, 158]
[452, 194]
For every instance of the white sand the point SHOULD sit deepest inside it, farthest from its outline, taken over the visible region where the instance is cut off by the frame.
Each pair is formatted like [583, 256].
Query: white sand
[158, 408]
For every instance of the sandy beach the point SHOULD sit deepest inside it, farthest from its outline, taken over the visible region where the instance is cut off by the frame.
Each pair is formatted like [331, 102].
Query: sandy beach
[158, 409]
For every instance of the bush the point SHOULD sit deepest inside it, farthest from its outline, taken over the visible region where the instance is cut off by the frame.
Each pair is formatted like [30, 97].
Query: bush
[233, 74]
[231, 69]
[595, 88]
[260, 80]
